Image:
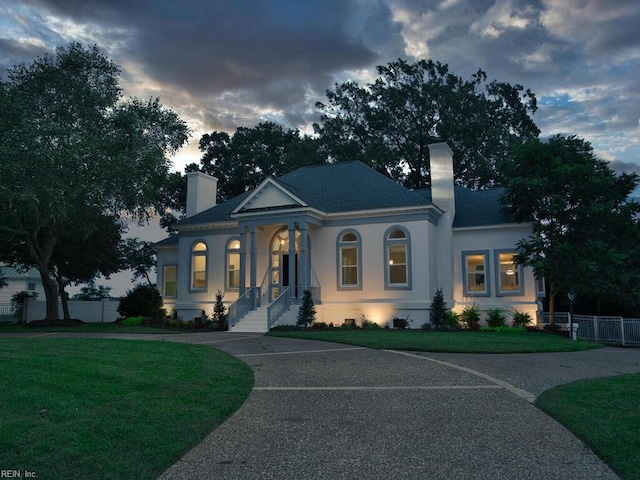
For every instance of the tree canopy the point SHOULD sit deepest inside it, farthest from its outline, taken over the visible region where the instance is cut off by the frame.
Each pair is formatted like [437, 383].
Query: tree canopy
[69, 142]
[243, 160]
[585, 230]
[389, 123]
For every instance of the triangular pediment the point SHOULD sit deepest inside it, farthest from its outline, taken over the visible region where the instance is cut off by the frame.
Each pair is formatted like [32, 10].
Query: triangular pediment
[269, 195]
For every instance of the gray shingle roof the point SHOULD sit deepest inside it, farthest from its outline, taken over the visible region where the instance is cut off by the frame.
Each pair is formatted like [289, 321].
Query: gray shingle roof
[352, 186]
[347, 186]
[475, 208]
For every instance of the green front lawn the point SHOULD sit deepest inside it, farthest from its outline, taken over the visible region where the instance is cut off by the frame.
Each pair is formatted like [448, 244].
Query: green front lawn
[99, 408]
[431, 341]
[604, 413]
[87, 328]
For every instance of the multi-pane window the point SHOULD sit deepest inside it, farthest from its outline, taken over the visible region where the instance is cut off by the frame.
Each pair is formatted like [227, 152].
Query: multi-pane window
[170, 277]
[476, 274]
[509, 280]
[198, 266]
[233, 264]
[397, 258]
[349, 260]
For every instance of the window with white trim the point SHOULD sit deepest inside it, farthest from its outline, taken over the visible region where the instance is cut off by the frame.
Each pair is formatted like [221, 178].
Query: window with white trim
[509, 281]
[475, 265]
[169, 280]
[397, 258]
[349, 260]
[233, 264]
[199, 266]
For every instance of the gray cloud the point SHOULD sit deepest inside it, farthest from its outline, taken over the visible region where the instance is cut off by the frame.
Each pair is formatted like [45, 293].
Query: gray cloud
[229, 63]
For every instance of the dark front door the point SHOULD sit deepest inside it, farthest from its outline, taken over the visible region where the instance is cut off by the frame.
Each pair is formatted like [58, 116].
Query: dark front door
[285, 273]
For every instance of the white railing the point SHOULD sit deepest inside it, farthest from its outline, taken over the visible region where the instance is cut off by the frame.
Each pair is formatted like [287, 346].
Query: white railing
[263, 293]
[278, 307]
[239, 308]
[315, 288]
[602, 329]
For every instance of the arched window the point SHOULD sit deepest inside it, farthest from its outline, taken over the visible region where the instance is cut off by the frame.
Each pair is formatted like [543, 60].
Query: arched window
[349, 260]
[233, 264]
[199, 266]
[397, 258]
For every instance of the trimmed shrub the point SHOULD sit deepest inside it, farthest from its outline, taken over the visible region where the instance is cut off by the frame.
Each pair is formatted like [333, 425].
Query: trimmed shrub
[307, 312]
[521, 319]
[438, 311]
[220, 314]
[452, 320]
[142, 301]
[470, 317]
[132, 321]
[496, 317]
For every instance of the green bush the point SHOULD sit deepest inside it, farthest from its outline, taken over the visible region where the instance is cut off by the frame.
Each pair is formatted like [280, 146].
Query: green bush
[220, 314]
[452, 320]
[307, 311]
[521, 319]
[438, 310]
[496, 317]
[131, 321]
[470, 317]
[142, 300]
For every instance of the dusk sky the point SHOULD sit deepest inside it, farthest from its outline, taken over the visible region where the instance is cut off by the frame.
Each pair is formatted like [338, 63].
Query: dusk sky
[221, 64]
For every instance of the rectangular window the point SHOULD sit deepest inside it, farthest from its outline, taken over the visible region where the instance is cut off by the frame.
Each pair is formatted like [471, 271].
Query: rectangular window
[170, 278]
[349, 266]
[509, 281]
[475, 273]
[233, 274]
[31, 286]
[199, 270]
[397, 264]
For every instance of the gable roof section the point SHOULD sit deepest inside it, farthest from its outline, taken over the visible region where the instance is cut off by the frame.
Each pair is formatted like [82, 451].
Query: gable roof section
[267, 196]
[476, 208]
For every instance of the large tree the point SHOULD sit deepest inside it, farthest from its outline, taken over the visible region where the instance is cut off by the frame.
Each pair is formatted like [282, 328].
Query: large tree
[389, 123]
[585, 230]
[243, 160]
[69, 140]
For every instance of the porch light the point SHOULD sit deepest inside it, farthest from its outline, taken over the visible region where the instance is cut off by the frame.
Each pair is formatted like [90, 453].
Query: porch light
[390, 262]
[511, 271]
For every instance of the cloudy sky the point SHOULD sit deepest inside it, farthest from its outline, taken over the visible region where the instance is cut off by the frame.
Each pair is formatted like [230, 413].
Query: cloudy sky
[227, 63]
[221, 64]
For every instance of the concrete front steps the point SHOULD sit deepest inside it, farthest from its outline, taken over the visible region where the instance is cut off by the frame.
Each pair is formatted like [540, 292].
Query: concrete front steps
[253, 322]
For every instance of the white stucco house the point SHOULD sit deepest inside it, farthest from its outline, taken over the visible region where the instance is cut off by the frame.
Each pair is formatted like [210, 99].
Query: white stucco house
[363, 245]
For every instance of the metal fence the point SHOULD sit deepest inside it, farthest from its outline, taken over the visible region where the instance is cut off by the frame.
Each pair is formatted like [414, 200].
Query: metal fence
[599, 329]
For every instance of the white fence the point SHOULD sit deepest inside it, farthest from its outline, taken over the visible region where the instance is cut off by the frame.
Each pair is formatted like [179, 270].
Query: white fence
[101, 311]
[607, 330]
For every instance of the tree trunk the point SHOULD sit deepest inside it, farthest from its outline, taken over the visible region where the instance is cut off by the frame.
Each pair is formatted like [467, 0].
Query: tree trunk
[64, 298]
[51, 293]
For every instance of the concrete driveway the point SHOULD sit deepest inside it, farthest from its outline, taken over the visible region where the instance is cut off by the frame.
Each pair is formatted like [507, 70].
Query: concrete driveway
[327, 411]
[330, 411]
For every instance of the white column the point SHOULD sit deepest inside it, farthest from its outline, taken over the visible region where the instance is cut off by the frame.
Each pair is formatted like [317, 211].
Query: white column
[254, 266]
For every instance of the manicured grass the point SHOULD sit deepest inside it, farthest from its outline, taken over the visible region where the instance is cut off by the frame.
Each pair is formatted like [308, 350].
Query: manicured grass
[604, 413]
[430, 341]
[99, 408]
[89, 328]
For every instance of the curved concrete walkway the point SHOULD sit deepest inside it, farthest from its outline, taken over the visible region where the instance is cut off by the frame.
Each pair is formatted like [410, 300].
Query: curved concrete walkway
[329, 411]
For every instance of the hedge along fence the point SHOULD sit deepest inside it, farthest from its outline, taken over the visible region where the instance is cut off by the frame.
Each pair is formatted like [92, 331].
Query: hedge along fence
[99, 311]
[607, 330]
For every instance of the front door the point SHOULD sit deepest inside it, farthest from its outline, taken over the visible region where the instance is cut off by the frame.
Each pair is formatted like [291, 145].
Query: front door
[284, 273]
